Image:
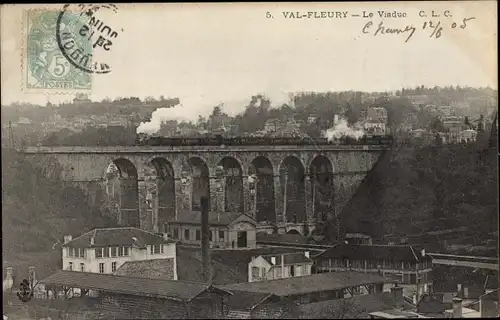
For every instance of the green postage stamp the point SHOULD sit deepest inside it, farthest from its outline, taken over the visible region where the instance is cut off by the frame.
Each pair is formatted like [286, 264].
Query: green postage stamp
[46, 68]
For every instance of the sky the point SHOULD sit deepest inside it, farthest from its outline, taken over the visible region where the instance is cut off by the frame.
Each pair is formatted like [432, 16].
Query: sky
[212, 53]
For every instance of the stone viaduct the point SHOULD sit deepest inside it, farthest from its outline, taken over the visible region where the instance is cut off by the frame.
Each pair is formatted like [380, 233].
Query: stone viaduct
[285, 187]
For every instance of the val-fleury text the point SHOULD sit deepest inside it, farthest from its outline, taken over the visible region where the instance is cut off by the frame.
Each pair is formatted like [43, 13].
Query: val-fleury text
[315, 15]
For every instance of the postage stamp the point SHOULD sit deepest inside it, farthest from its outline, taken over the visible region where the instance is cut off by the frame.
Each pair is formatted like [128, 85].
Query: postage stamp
[45, 68]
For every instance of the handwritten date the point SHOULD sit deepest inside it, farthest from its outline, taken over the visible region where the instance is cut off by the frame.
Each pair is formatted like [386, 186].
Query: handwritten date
[434, 28]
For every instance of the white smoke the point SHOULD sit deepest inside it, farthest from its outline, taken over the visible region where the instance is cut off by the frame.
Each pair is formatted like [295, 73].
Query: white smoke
[161, 115]
[341, 129]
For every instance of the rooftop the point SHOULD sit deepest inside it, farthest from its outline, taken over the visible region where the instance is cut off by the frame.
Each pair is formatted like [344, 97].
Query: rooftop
[288, 258]
[166, 289]
[152, 269]
[126, 236]
[220, 219]
[307, 284]
[374, 252]
[288, 238]
[355, 307]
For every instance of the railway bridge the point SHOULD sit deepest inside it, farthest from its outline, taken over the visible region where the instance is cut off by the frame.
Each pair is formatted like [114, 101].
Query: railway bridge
[292, 185]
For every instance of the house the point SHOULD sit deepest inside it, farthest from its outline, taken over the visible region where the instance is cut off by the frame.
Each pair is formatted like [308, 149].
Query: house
[459, 311]
[317, 287]
[105, 250]
[467, 136]
[489, 304]
[452, 122]
[126, 297]
[189, 268]
[377, 114]
[228, 266]
[356, 307]
[358, 238]
[227, 229]
[255, 305]
[285, 265]
[435, 304]
[375, 127]
[406, 265]
[312, 118]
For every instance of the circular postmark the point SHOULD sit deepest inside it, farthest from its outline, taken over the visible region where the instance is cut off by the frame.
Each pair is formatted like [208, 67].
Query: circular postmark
[82, 35]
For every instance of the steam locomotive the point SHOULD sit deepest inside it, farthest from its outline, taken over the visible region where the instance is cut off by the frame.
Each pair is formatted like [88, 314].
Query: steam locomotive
[218, 140]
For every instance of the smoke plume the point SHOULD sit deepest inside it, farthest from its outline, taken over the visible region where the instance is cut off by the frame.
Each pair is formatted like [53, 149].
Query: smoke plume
[161, 115]
[341, 129]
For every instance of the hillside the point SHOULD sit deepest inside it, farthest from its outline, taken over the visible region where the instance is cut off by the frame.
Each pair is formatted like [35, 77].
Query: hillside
[38, 212]
[414, 191]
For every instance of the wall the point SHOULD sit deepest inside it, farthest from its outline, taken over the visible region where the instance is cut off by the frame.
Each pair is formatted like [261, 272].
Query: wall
[207, 305]
[92, 263]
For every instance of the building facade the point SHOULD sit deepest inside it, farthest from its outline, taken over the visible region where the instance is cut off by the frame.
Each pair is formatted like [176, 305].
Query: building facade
[227, 230]
[106, 250]
[286, 265]
[411, 268]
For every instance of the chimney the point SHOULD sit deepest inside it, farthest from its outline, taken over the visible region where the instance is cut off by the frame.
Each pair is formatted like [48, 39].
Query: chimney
[68, 238]
[205, 244]
[273, 260]
[423, 252]
[397, 294]
[92, 241]
[31, 276]
[282, 266]
[165, 236]
[457, 307]
[8, 283]
[306, 254]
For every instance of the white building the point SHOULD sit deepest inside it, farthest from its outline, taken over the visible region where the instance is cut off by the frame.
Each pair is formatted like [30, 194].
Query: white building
[105, 250]
[278, 266]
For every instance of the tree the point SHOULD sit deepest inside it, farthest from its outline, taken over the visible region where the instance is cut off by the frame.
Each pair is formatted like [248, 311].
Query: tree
[437, 125]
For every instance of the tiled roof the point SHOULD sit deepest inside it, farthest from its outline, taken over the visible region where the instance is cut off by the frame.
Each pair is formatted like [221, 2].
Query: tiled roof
[373, 252]
[288, 258]
[152, 269]
[239, 259]
[289, 238]
[356, 236]
[191, 269]
[307, 284]
[126, 236]
[355, 307]
[245, 301]
[223, 219]
[166, 289]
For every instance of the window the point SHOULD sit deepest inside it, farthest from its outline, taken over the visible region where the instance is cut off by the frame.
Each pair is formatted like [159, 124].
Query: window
[292, 271]
[198, 235]
[263, 273]
[221, 235]
[210, 235]
[71, 252]
[82, 267]
[156, 249]
[255, 273]
[113, 266]
[82, 252]
[278, 272]
[105, 252]
[70, 266]
[176, 233]
[186, 234]
[101, 267]
[98, 253]
[114, 251]
[123, 251]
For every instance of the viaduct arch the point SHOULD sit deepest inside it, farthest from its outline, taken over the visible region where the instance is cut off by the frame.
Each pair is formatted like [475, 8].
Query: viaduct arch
[277, 185]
